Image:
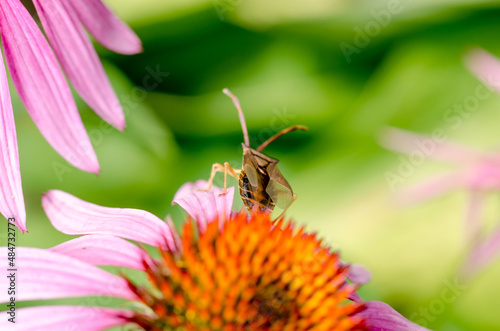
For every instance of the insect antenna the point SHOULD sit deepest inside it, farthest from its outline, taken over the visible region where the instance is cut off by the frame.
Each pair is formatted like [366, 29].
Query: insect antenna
[279, 134]
[240, 113]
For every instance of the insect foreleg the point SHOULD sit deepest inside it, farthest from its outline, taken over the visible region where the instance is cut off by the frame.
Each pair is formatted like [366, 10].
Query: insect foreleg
[216, 167]
[227, 169]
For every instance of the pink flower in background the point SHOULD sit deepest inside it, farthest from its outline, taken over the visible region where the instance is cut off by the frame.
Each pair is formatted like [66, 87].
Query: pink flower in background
[43, 89]
[227, 270]
[475, 171]
[485, 66]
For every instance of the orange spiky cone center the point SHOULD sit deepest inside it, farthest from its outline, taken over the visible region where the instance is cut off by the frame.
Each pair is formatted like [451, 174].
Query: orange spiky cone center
[249, 275]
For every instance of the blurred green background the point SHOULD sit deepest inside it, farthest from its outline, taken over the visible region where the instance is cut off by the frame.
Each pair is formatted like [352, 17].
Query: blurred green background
[285, 62]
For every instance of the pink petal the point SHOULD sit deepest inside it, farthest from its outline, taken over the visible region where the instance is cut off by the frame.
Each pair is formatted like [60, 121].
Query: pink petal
[74, 318]
[354, 296]
[106, 27]
[484, 254]
[483, 174]
[71, 215]
[11, 191]
[431, 188]
[42, 274]
[42, 87]
[473, 216]
[204, 206]
[380, 316]
[411, 143]
[358, 274]
[485, 66]
[175, 235]
[103, 250]
[79, 59]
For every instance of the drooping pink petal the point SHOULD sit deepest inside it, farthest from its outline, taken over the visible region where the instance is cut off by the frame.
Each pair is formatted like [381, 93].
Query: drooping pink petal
[380, 316]
[431, 188]
[42, 86]
[71, 215]
[426, 146]
[74, 318]
[42, 274]
[11, 192]
[484, 254]
[103, 250]
[106, 27]
[204, 206]
[79, 59]
[485, 66]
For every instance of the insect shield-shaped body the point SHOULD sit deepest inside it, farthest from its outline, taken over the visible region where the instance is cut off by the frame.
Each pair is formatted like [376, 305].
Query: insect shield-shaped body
[262, 186]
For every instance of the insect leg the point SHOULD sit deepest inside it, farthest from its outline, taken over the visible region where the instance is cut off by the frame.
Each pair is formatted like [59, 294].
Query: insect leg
[216, 167]
[227, 169]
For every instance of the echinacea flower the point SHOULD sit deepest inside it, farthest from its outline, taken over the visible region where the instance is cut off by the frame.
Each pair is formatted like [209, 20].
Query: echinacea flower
[231, 272]
[43, 89]
[475, 171]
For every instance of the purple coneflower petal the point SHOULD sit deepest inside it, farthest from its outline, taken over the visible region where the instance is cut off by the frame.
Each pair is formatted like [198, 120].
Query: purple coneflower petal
[79, 59]
[408, 142]
[485, 66]
[358, 274]
[74, 318]
[483, 175]
[473, 216]
[71, 215]
[204, 206]
[48, 275]
[484, 254]
[106, 27]
[431, 188]
[104, 250]
[42, 87]
[380, 316]
[11, 191]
